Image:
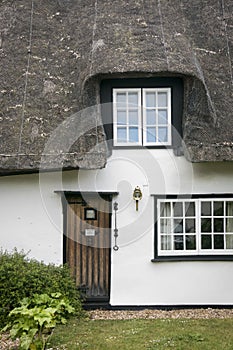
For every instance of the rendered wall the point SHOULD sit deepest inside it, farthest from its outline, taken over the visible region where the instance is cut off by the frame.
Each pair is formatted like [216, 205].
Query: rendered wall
[31, 219]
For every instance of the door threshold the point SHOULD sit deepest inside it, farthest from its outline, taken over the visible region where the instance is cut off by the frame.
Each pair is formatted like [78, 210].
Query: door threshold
[93, 305]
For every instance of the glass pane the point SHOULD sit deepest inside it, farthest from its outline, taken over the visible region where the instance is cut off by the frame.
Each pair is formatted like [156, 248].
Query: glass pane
[121, 135]
[165, 209]
[121, 98]
[162, 99]
[165, 226]
[206, 242]
[206, 209]
[206, 225]
[162, 134]
[229, 208]
[121, 117]
[133, 117]
[178, 209]
[133, 98]
[229, 241]
[189, 209]
[218, 208]
[178, 225]
[178, 242]
[162, 116]
[133, 134]
[150, 117]
[229, 225]
[166, 243]
[190, 242]
[151, 134]
[150, 99]
[190, 226]
[218, 225]
[218, 241]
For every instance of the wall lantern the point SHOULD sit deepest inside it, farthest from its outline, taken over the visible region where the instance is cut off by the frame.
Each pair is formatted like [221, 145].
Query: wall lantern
[137, 195]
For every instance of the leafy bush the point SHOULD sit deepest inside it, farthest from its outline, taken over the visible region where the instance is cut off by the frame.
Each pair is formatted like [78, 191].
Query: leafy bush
[35, 319]
[21, 277]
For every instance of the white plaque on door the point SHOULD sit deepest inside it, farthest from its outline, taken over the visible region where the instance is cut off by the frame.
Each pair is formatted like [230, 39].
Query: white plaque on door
[89, 232]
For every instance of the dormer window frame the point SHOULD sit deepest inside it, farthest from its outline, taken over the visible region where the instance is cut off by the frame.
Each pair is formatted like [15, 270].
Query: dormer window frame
[142, 117]
[176, 96]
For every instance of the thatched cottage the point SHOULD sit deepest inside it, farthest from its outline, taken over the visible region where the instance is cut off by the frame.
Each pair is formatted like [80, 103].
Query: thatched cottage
[116, 145]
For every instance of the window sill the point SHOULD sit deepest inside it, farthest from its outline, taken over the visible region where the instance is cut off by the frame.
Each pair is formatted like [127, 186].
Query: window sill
[193, 258]
[142, 147]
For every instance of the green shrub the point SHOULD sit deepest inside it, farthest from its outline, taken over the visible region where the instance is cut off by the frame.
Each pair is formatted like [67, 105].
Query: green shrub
[22, 277]
[35, 319]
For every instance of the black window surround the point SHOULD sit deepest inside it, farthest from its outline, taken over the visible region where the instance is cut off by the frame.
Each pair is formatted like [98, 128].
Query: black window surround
[177, 92]
[169, 258]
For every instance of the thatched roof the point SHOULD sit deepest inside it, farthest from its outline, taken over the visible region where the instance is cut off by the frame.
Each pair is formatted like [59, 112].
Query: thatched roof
[54, 53]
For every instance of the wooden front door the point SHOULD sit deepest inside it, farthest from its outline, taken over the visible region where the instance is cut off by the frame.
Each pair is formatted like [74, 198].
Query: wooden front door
[87, 244]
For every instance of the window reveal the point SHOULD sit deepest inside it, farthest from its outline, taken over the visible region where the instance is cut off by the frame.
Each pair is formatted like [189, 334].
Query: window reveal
[195, 226]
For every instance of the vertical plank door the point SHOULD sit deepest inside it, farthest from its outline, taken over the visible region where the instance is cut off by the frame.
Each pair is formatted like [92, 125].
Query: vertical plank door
[87, 243]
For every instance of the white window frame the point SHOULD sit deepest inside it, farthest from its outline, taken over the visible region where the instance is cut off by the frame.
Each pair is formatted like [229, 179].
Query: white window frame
[198, 251]
[141, 117]
[127, 126]
[157, 108]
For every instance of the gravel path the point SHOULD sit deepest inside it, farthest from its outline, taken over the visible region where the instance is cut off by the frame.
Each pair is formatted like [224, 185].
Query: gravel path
[154, 314]
[7, 344]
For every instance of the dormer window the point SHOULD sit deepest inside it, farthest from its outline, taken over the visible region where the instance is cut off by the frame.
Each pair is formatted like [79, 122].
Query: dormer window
[142, 116]
[142, 112]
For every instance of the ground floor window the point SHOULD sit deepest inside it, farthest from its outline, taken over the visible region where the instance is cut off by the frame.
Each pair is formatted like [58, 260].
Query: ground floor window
[194, 226]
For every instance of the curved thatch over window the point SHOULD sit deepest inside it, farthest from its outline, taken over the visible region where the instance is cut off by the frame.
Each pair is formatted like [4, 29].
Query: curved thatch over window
[54, 54]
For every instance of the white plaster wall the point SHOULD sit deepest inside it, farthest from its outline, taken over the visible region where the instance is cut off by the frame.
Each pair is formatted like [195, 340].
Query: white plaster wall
[25, 222]
[31, 219]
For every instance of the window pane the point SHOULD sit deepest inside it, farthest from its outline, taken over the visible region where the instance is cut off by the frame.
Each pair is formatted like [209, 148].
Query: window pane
[133, 134]
[190, 226]
[165, 209]
[218, 241]
[121, 135]
[229, 225]
[162, 116]
[206, 242]
[151, 134]
[162, 134]
[178, 209]
[218, 225]
[229, 208]
[178, 242]
[178, 225]
[133, 117]
[121, 117]
[206, 225]
[150, 99]
[165, 226]
[206, 209]
[190, 242]
[132, 98]
[150, 117]
[218, 208]
[162, 99]
[121, 98]
[189, 209]
[229, 241]
[166, 243]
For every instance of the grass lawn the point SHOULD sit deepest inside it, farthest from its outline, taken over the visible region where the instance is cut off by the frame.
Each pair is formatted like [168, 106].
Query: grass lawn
[180, 334]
